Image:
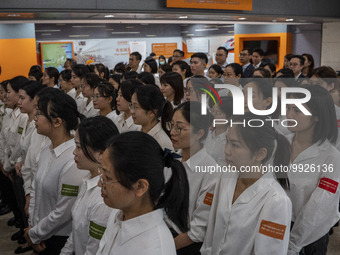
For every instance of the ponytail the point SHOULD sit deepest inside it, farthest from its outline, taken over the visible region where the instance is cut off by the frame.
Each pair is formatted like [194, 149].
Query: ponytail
[175, 199]
[282, 158]
[166, 116]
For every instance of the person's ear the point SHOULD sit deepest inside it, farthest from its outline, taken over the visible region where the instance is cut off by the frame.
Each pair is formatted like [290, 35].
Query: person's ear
[57, 122]
[141, 187]
[261, 154]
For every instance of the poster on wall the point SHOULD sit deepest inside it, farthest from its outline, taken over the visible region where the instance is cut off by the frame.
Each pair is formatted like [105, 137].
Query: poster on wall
[54, 54]
[165, 49]
[198, 45]
[240, 5]
[139, 46]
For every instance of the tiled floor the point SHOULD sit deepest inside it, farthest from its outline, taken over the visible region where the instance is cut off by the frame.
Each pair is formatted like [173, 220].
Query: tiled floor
[7, 246]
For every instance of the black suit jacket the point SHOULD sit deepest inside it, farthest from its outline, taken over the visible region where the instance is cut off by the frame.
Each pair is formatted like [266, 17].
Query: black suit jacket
[248, 72]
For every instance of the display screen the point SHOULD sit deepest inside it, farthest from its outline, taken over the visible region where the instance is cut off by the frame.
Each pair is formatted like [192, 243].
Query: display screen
[55, 54]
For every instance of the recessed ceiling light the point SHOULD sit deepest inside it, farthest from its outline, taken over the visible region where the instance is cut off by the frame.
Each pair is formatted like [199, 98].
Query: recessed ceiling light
[46, 34]
[151, 35]
[109, 16]
[183, 17]
[242, 18]
[86, 26]
[109, 29]
[129, 27]
[13, 15]
[79, 36]
[289, 20]
[48, 30]
[124, 33]
[183, 32]
[205, 29]
[231, 32]
[190, 34]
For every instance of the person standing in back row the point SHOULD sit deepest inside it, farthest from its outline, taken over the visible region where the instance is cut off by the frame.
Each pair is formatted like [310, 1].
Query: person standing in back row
[257, 57]
[221, 57]
[247, 67]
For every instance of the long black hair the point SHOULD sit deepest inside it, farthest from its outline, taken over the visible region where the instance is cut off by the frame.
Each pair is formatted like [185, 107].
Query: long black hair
[148, 163]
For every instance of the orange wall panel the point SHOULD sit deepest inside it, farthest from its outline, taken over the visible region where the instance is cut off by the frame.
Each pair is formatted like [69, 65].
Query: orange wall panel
[17, 56]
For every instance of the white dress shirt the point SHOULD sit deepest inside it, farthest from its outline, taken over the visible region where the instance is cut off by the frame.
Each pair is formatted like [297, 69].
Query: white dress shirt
[112, 116]
[126, 125]
[6, 124]
[72, 93]
[80, 100]
[30, 167]
[54, 191]
[18, 123]
[337, 111]
[146, 234]
[201, 193]
[89, 219]
[215, 145]
[88, 110]
[258, 222]
[315, 195]
[161, 137]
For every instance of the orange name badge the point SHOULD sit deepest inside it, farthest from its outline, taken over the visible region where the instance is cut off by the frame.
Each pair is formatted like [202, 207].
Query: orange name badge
[208, 199]
[272, 229]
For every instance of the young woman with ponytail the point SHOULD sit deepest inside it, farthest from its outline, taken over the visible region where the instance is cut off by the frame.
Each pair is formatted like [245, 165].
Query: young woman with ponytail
[138, 189]
[315, 174]
[152, 111]
[251, 212]
[57, 181]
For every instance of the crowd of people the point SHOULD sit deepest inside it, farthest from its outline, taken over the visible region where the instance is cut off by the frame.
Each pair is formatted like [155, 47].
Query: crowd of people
[95, 161]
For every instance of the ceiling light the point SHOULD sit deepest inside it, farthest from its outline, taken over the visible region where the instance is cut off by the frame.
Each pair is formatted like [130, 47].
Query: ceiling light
[289, 20]
[190, 34]
[205, 29]
[151, 35]
[79, 36]
[48, 30]
[231, 32]
[183, 17]
[242, 18]
[118, 33]
[109, 16]
[109, 29]
[13, 15]
[129, 27]
[46, 34]
[86, 26]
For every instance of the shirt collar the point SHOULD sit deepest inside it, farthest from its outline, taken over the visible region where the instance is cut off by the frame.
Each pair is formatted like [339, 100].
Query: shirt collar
[92, 183]
[155, 129]
[138, 225]
[16, 112]
[196, 159]
[245, 66]
[89, 106]
[63, 147]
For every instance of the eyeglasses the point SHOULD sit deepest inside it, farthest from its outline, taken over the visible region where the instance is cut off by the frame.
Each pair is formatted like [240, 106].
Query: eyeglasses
[37, 114]
[177, 130]
[82, 86]
[243, 54]
[97, 96]
[133, 107]
[101, 177]
[294, 64]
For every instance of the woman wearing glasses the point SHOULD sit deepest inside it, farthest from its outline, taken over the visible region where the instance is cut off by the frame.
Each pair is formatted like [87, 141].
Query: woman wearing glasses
[57, 181]
[189, 129]
[124, 121]
[152, 111]
[89, 213]
[104, 99]
[89, 81]
[138, 189]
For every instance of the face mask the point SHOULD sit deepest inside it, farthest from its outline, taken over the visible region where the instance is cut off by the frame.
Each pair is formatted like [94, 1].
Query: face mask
[162, 62]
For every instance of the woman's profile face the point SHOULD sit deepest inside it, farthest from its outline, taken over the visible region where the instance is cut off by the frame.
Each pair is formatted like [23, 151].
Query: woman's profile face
[139, 115]
[305, 123]
[259, 102]
[180, 132]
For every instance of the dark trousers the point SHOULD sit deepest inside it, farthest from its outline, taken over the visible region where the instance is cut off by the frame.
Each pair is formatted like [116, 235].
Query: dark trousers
[319, 247]
[8, 196]
[54, 245]
[192, 249]
[19, 193]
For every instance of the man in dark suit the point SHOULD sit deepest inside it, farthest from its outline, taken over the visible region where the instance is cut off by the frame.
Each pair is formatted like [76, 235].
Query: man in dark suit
[247, 67]
[296, 64]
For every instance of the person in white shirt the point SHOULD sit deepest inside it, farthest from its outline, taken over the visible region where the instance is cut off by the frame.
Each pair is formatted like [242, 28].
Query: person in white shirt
[104, 100]
[134, 61]
[66, 84]
[326, 77]
[172, 88]
[198, 63]
[216, 139]
[137, 188]
[188, 130]
[150, 110]
[314, 175]
[89, 82]
[89, 213]
[57, 181]
[124, 121]
[251, 213]
[26, 104]
[12, 136]
[50, 77]
[78, 71]
[221, 57]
